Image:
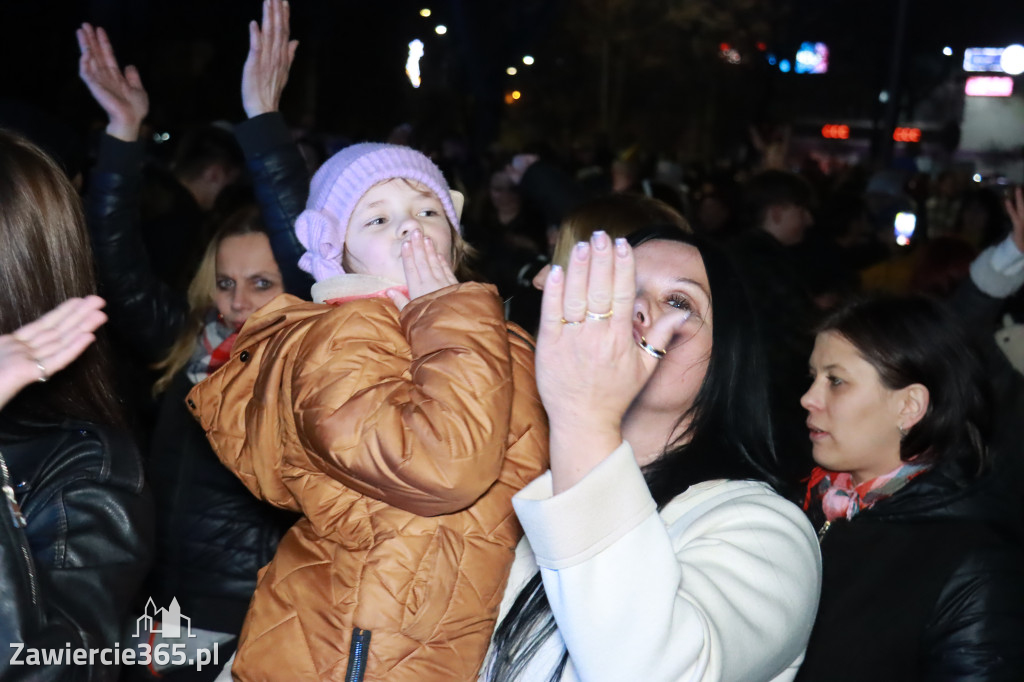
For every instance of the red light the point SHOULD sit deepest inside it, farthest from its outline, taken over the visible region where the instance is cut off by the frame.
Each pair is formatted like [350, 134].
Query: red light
[835, 131]
[907, 134]
[761, 46]
[724, 47]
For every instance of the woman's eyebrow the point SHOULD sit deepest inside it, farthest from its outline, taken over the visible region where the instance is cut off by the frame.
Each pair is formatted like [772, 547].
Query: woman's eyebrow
[687, 280]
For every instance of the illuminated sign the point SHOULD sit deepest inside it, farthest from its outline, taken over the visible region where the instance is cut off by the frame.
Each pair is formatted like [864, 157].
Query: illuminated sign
[812, 58]
[907, 134]
[995, 59]
[835, 131]
[989, 86]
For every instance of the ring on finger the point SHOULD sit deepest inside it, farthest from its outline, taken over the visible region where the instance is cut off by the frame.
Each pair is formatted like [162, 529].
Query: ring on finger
[599, 316]
[571, 324]
[43, 374]
[655, 353]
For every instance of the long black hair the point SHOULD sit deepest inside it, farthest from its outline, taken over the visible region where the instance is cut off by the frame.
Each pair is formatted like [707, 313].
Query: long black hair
[728, 436]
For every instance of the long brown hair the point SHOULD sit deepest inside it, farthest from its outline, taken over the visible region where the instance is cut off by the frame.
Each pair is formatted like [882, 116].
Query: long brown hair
[45, 259]
[245, 220]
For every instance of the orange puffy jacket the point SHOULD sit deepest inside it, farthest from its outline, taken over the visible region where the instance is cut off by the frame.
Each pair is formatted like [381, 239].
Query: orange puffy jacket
[401, 437]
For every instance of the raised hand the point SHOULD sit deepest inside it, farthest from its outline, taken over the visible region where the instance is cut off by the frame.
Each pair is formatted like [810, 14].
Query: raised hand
[1015, 208]
[38, 350]
[270, 58]
[517, 168]
[121, 95]
[590, 362]
[425, 270]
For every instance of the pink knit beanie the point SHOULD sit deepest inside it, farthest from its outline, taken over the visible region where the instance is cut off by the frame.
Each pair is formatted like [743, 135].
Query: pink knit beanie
[339, 185]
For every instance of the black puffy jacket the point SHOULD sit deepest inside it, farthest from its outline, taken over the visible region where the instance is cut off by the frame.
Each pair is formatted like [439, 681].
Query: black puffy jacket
[925, 585]
[70, 572]
[213, 534]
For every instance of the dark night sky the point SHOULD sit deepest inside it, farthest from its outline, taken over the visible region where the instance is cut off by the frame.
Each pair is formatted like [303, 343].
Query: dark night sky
[348, 75]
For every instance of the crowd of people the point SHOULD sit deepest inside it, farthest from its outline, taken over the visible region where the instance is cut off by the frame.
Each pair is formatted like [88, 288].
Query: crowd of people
[610, 417]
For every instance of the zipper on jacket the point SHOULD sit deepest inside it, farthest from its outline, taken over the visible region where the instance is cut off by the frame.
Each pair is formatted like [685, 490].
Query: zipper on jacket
[19, 522]
[357, 654]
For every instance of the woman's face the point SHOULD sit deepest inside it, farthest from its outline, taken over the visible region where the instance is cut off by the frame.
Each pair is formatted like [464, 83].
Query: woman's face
[670, 276]
[247, 277]
[853, 418]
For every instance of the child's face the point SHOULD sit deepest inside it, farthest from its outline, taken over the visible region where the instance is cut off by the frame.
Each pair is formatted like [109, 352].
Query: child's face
[384, 218]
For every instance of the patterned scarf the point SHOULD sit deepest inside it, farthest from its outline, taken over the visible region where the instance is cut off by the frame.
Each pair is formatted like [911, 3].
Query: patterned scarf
[213, 348]
[841, 499]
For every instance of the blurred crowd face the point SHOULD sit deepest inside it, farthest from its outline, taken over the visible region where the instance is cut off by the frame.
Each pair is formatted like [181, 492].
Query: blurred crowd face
[247, 277]
[853, 419]
[504, 194]
[384, 218]
[671, 279]
[790, 222]
[713, 213]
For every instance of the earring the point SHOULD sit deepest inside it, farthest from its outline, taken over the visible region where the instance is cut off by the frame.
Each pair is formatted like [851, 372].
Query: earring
[903, 431]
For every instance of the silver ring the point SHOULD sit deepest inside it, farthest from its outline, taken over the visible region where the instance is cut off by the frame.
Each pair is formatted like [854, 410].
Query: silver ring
[598, 316]
[43, 376]
[651, 350]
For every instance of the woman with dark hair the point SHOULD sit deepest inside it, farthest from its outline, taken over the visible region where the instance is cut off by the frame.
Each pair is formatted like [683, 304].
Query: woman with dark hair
[656, 547]
[81, 537]
[922, 571]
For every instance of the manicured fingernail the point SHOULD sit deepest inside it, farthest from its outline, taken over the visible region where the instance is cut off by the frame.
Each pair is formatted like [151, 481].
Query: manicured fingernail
[600, 240]
[555, 274]
[622, 246]
[581, 250]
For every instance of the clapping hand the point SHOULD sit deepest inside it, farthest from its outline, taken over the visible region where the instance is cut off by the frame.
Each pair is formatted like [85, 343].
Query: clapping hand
[121, 95]
[590, 362]
[38, 350]
[270, 58]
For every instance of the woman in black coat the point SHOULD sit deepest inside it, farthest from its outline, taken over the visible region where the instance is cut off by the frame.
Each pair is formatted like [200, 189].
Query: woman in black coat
[922, 569]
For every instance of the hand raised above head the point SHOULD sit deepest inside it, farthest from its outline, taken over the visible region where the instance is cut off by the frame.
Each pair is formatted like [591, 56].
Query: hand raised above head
[121, 95]
[270, 58]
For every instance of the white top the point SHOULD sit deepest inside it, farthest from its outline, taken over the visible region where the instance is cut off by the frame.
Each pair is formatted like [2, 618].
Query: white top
[723, 584]
[999, 270]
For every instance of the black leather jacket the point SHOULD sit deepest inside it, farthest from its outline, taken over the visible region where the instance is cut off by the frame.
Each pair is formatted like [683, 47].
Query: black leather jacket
[925, 585]
[70, 571]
